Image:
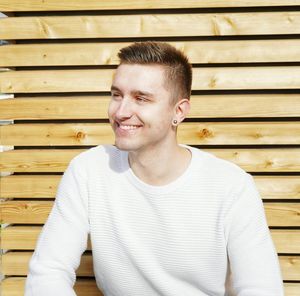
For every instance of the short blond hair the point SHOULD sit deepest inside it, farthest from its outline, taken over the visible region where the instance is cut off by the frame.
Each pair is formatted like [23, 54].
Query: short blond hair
[176, 63]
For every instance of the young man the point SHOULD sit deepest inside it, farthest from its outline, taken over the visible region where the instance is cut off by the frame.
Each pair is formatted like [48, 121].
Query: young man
[164, 219]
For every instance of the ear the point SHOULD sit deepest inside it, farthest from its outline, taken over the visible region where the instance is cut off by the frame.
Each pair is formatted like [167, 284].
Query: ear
[181, 109]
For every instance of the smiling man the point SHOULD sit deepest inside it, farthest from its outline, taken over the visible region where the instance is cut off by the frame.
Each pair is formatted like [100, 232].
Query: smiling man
[144, 114]
[164, 219]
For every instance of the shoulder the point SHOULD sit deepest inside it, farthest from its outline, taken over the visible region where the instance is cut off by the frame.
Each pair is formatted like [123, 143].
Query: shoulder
[234, 187]
[95, 157]
[218, 168]
[223, 177]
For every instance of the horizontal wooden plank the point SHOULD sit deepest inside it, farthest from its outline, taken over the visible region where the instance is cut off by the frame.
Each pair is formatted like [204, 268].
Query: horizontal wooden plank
[94, 80]
[199, 52]
[235, 78]
[19, 237]
[37, 160]
[57, 134]
[25, 238]
[290, 267]
[15, 286]
[202, 106]
[236, 133]
[32, 186]
[282, 214]
[46, 81]
[291, 289]
[56, 160]
[192, 133]
[16, 263]
[26, 212]
[261, 160]
[45, 186]
[36, 212]
[150, 25]
[56, 5]
[286, 240]
[278, 187]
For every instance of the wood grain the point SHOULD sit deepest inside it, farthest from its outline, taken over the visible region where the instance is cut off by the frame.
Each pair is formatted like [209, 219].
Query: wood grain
[101, 53]
[56, 160]
[54, 5]
[45, 186]
[36, 212]
[94, 80]
[202, 106]
[25, 212]
[16, 263]
[14, 286]
[204, 133]
[282, 214]
[150, 25]
[287, 241]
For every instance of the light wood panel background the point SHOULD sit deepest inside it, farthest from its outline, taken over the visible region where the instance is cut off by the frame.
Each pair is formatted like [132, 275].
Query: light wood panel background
[57, 68]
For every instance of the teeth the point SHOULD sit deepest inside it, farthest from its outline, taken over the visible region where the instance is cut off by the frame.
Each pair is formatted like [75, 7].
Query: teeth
[128, 127]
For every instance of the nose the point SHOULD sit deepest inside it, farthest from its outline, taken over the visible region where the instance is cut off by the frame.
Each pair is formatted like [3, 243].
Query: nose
[124, 109]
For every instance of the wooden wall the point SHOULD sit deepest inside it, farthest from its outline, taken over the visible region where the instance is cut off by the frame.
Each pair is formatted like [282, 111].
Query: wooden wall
[55, 76]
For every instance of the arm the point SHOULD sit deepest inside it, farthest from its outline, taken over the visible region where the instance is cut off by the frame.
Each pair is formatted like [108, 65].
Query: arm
[62, 241]
[253, 260]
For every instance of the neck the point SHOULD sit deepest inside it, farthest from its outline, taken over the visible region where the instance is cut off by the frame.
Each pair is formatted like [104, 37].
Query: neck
[161, 165]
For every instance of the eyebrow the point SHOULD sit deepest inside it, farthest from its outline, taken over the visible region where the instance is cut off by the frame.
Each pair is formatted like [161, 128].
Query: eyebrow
[134, 92]
[114, 88]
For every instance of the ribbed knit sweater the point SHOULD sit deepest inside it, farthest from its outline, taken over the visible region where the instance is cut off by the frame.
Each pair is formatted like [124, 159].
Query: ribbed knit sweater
[204, 234]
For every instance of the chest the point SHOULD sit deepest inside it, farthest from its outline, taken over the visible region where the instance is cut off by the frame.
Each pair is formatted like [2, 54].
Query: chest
[181, 228]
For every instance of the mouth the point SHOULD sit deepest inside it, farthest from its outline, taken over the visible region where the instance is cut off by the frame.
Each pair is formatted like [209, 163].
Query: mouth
[125, 129]
[128, 127]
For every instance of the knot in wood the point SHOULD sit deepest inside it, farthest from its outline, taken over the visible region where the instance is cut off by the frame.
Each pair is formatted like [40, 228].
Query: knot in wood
[80, 135]
[257, 135]
[205, 133]
[269, 163]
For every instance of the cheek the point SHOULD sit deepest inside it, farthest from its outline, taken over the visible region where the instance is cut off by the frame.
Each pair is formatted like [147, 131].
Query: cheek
[112, 107]
[166, 113]
[160, 116]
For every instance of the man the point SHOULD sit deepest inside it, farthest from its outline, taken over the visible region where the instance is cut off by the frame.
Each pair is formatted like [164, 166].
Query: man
[164, 219]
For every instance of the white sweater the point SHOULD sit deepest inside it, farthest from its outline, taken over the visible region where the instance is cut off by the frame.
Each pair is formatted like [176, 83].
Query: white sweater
[196, 236]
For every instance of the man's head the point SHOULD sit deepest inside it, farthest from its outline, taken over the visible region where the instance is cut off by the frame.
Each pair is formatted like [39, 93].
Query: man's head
[150, 96]
[178, 70]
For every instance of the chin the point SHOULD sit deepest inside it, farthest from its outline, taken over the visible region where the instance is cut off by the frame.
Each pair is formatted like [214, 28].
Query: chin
[122, 145]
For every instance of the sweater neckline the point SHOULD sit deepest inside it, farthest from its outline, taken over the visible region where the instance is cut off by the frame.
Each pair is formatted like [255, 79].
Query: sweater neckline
[157, 189]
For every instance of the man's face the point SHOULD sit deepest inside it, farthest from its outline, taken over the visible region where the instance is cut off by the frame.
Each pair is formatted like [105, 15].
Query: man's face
[140, 111]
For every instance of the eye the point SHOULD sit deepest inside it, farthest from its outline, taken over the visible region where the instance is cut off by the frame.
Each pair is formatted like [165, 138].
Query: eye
[141, 99]
[116, 95]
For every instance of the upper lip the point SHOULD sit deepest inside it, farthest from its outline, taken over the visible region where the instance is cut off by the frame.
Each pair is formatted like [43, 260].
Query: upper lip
[127, 123]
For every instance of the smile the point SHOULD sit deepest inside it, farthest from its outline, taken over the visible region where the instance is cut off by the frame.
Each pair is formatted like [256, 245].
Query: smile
[128, 127]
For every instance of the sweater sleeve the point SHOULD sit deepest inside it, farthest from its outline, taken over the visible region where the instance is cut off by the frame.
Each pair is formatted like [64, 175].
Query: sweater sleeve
[252, 256]
[62, 241]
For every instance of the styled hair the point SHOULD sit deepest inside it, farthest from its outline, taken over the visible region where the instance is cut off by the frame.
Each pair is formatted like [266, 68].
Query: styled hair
[178, 69]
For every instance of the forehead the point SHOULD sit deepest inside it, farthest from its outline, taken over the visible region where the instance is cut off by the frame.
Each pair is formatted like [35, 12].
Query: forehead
[145, 77]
